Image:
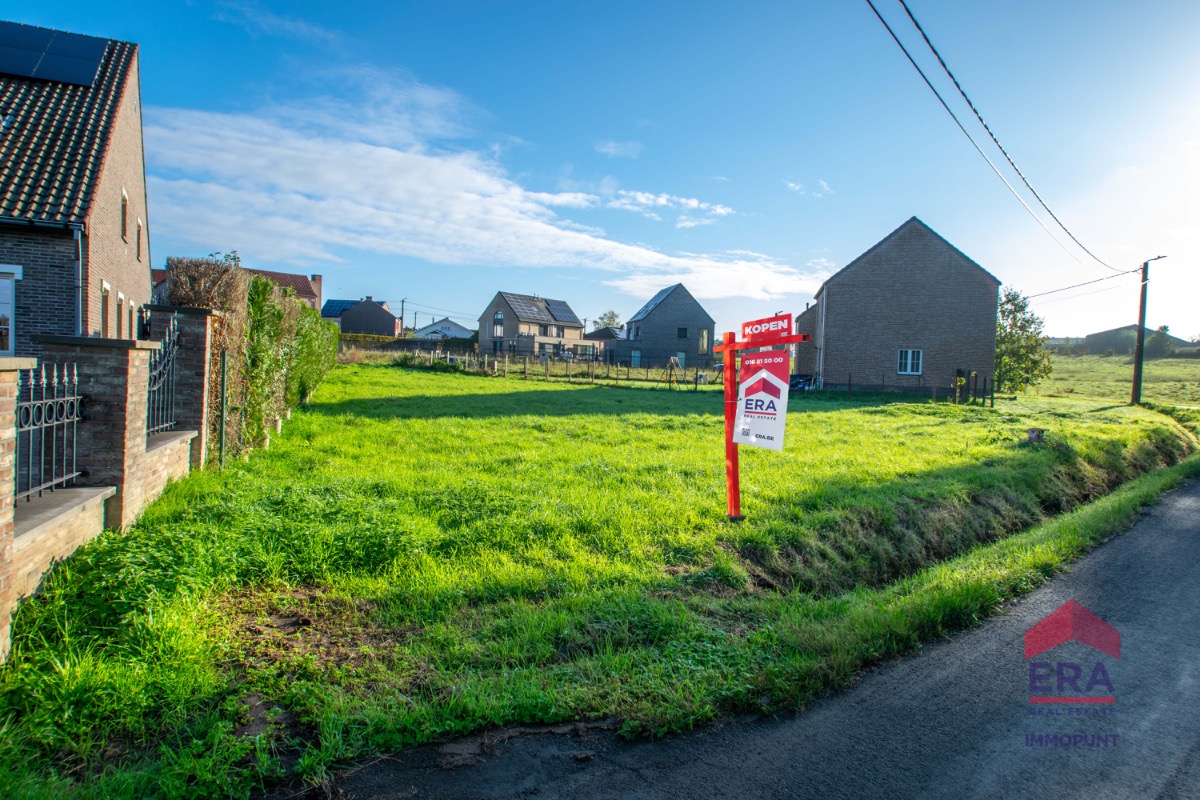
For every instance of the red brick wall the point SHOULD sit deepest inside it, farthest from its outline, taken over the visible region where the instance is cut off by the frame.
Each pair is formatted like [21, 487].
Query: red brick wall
[33, 553]
[107, 255]
[8, 457]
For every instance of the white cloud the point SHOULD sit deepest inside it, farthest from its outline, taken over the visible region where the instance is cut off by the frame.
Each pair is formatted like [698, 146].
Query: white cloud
[799, 188]
[301, 188]
[255, 19]
[649, 204]
[684, 221]
[615, 149]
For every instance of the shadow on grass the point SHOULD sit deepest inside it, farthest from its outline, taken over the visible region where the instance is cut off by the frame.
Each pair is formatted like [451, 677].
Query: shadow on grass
[582, 401]
[846, 533]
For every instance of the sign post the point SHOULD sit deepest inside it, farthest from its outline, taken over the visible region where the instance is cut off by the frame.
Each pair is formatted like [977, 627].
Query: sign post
[762, 370]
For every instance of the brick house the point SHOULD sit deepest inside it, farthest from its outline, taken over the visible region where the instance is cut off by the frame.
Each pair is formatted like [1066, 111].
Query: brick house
[362, 316]
[521, 324]
[907, 314]
[671, 325]
[74, 224]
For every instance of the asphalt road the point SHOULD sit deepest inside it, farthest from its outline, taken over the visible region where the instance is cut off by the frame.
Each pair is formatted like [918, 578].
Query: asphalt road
[951, 722]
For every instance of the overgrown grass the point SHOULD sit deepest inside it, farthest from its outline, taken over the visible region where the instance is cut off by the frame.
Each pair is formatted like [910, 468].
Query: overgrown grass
[1164, 380]
[427, 554]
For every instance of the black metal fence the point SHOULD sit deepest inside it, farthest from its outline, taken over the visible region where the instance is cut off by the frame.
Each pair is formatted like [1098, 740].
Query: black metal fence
[48, 414]
[160, 400]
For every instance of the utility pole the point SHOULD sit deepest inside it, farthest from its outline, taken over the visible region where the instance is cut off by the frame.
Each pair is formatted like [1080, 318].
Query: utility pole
[1139, 350]
[402, 301]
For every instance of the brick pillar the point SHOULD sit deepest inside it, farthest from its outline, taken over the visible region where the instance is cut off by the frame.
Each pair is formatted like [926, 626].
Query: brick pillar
[113, 379]
[192, 364]
[8, 487]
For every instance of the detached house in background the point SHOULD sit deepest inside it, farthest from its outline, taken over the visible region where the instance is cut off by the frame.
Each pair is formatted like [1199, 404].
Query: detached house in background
[671, 325]
[521, 324]
[907, 314]
[362, 316]
[74, 226]
[444, 328]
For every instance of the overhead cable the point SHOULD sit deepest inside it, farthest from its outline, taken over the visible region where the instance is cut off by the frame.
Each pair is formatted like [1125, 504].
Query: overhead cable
[995, 140]
[970, 138]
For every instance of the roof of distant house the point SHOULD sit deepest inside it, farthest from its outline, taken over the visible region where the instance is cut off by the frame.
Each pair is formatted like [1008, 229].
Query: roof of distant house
[336, 308]
[54, 134]
[602, 334]
[541, 309]
[1132, 328]
[653, 304]
[302, 284]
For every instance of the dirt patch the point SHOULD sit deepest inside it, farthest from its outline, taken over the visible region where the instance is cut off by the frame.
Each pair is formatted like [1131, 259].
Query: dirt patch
[305, 622]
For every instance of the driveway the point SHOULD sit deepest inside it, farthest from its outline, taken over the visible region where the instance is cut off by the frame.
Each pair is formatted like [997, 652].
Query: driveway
[954, 721]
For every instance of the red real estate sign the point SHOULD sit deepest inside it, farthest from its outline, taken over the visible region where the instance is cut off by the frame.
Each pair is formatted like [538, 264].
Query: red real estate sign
[762, 399]
[768, 328]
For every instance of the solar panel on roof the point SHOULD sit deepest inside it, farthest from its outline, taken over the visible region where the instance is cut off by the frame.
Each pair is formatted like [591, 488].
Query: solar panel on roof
[527, 308]
[77, 45]
[30, 52]
[650, 306]
[561, 311]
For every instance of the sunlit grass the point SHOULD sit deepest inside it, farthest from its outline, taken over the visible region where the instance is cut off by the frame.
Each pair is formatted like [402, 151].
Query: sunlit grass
[1164, 380]
[425, 554]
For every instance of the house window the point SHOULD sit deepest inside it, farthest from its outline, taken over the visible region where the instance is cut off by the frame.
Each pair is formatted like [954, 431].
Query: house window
[124, 215]
[704, 341]
[139, 240]
[105, 295]
[120, 312]
[543, 330]
[132, 330]
[498, 325]
[7, 304]
[909, 362]
[683, 333]
[561, 331]
[635, 358]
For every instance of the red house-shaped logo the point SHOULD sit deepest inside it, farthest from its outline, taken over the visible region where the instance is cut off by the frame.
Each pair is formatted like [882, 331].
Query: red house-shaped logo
[1072, 622]
[763, 386]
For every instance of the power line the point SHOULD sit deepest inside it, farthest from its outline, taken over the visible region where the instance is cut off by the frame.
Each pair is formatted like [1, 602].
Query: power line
[995, 140]
[1085, 294]
[1085, 283]
[970, 138]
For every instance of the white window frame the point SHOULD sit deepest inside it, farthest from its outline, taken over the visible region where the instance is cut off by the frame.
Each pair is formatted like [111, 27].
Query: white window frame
[14, 273]
[904, 362]
[105, 303]
[120, 314]
[124, 216]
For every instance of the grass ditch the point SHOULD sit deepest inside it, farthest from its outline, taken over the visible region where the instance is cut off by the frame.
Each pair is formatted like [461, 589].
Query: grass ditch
[424, 555]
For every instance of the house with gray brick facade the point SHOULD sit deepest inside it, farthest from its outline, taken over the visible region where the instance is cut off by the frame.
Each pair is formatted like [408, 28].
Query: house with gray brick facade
[672, 324]
[907, 314]
[527, 325]
[74, 222]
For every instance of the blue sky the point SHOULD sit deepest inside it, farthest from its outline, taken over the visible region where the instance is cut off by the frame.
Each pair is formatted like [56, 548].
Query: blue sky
[441, 152]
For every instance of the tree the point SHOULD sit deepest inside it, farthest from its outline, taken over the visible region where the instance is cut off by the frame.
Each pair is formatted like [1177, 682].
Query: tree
[609, 319]
[1159, 345]
[1021, 355]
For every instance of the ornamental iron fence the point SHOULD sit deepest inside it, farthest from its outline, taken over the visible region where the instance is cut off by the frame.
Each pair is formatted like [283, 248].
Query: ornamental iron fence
[48, 413]
[160, 401]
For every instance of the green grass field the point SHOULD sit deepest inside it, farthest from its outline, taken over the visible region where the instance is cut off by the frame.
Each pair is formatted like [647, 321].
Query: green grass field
[1164, 380]
[425, 554]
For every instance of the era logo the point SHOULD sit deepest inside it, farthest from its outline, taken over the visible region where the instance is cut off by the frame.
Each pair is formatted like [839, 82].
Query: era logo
[1050, 682]
[760, 405]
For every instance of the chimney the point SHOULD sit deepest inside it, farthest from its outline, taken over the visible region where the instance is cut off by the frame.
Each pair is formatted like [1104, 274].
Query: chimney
[315, 280]
[806, 306]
